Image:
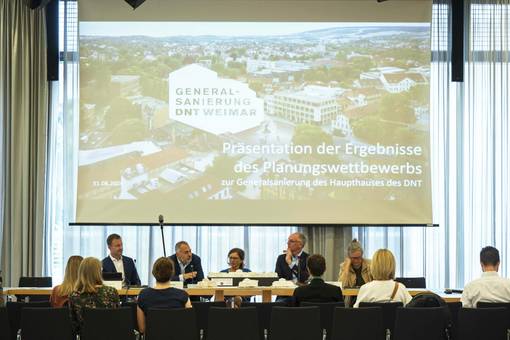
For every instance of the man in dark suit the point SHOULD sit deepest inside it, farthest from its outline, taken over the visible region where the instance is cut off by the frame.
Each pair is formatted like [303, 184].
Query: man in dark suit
[317, 290]
[188, 266]
[292, 264]
[116, 263]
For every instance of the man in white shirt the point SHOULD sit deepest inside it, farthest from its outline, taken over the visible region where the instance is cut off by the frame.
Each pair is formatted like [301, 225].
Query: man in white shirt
[490, 287]
[115, 262]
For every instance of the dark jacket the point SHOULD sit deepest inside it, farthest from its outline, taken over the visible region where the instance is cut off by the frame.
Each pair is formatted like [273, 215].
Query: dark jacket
[130, 274]
[194, 266]
[318, 291]
[284, 272]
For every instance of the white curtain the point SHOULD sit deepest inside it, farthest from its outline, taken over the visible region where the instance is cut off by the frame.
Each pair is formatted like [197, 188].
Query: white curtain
[470, 154]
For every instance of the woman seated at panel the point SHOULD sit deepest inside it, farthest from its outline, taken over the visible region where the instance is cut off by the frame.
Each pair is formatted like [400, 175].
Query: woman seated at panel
[355, 270]
[162, 295]
[383, 288]
[60, 294]
[89, 291]
[236, 261]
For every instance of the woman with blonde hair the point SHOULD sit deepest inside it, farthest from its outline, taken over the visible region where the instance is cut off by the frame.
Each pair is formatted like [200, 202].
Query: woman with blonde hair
[60, 294]
[383, 288]
[89, 291]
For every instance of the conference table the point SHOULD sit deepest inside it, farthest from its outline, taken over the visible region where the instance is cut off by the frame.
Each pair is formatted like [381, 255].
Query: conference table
[220, 293]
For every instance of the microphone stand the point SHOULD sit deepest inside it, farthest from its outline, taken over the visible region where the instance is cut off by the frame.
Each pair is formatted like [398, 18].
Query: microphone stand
[161, 225]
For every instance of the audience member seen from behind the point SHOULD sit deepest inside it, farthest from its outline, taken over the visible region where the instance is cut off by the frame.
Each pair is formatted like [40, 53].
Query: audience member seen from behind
[490, 287]
[236, 261]
[60, 294]
[292, 264]
[317, 290]
[89, 291]
[162, 295]
[383, 288]
[355, 270]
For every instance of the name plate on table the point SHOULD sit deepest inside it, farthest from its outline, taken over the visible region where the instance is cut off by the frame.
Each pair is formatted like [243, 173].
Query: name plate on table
[223, 281]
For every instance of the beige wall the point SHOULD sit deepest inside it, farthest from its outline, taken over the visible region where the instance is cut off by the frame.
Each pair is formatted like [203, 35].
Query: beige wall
[258, 10]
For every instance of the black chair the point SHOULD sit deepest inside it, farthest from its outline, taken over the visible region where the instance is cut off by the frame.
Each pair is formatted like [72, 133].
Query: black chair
[483, 324]
[36, 282]
[202, 314]
[505, 305]
[389, 310]
[233, 324]
[133, 306]
[295, 323]
[4, 324]
[171, 324]
[454, 308]
[46, 324]
[421, 323]
[412, 282]
[14, 314]
[107, 324]
[264, 310]
[358, 323]
[327, 310]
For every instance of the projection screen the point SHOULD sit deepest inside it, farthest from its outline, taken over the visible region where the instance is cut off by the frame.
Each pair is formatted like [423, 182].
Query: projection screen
[254, 112]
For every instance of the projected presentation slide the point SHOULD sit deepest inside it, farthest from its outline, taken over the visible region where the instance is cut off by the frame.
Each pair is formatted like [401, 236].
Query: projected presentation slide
[254, 123]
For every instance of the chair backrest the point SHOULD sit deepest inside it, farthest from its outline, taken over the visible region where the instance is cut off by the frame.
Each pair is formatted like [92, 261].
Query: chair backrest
[454, 308]
[295, 323]
[14, 313]
[107, 324]
[171, 324]
[4, 324]
[418, 323]
[46, 324]
[202, 313]
[505, 305]
[389, 310]
[34, 281]
[483, 324]
[327, 310]
[358, 323]
[39, 282]
[264, 310]
[412, 282]
[233, 324]
[133, 306]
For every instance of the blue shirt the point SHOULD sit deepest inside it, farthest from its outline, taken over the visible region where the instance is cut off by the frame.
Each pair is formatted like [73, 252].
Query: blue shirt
[162, 298]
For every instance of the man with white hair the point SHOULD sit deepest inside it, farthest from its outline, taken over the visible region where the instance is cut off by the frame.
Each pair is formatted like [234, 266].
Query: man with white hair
[292, 264]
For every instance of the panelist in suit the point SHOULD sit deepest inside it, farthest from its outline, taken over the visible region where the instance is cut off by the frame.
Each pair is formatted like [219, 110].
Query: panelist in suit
[188, 266]
[292, 264]
[317, 290]
[117, 263]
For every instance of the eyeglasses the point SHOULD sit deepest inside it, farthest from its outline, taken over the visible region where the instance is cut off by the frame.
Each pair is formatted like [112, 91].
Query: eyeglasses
[234, 258]
[293, 241]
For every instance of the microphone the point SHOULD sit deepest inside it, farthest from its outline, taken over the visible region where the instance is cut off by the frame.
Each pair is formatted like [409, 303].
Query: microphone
[161, 221]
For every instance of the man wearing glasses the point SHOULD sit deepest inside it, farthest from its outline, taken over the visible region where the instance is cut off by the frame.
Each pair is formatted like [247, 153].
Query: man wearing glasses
[292, 264]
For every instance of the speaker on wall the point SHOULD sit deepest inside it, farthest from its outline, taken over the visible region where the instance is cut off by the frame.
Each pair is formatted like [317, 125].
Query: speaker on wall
[52, 53]
[457, 37]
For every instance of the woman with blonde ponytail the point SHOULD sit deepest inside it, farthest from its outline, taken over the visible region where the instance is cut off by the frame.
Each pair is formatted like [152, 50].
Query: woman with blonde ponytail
[60, 294]
[89, 291]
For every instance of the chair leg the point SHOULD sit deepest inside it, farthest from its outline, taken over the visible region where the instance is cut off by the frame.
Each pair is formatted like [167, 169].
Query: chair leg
[18, 335]
[265, 334]
[325, 334]
[388, 334]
